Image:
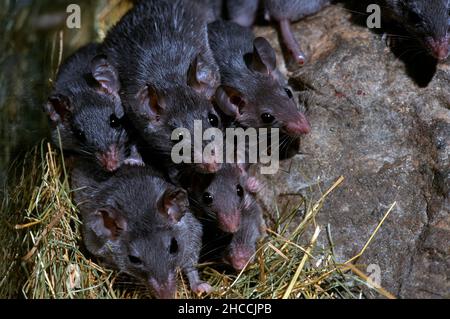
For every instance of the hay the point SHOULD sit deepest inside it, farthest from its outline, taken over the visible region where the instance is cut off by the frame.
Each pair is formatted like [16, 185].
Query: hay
[44, 256]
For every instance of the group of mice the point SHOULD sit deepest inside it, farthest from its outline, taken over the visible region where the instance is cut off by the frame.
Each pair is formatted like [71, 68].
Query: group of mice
[115, 105]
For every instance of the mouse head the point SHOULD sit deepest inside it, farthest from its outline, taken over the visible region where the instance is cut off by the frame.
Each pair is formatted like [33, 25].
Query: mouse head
[258, 99]
[89, 121]
[428, 20]
[160, 111]
[220, 196]
[143, 232]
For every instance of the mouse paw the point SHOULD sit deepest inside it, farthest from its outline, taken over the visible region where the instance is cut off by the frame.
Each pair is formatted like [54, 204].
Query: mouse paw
[134, 162]
[202, 288]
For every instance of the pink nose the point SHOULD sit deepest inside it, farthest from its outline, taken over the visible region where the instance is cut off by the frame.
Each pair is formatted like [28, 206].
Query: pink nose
[439, 48]
[299, 126]
[230, 223]
[110, 159]
[240, 256]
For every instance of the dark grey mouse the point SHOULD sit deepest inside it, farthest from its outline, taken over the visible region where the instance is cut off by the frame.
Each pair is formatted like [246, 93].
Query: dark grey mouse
[219, 197]
[139, 224]
[86, 112]
[168, 73]
[242, 12]
[253, 93]
[242, 247]
[426, 20]
[286, 11]
[213, 8]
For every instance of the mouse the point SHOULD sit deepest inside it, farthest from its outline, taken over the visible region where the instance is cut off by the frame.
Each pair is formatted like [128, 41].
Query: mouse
[86, 112]
[284, 12]
[219, 197]
[253, 93]
[427, 21]
[168, 74]
[241, 250]
[139, 224]
[242, 12]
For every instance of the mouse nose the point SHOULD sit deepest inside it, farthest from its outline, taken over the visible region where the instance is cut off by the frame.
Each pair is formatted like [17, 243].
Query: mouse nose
[164, 290]
[240, 256]
[298, 126]
[230, 222]
[110, 159]
[439, 48]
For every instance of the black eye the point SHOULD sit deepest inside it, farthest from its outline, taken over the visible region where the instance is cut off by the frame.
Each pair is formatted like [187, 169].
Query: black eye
[240, 190]
[79, 134]
[289, 93]
[135, 260]
[207, 198]
[213, 120]
[173, 246]
[114, 122]
[267, 118]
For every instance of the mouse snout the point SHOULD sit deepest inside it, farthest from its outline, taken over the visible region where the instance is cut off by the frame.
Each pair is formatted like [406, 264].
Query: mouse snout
[110, 159]
[298, 126]
[240, 256]
[230, 222]
[439, 48]
[165, 289]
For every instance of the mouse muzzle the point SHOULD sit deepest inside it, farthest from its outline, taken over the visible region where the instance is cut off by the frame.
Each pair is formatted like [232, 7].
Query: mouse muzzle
[298, 126]
[438, 48]
[164, 289]
[229, 222]
[110, 159]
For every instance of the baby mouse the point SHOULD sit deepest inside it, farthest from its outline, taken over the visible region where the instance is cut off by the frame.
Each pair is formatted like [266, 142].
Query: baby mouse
[168, 75]
[253, 93]
[86, 111]
[286, 11]
[139, 224]
[426, 20]
[218, 197]
[242, 247]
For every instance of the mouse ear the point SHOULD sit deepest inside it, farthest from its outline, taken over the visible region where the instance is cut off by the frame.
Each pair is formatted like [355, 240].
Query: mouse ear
[202, 77]
[108, 223]
[105, 75]
[58, 108]
[230, 101]
[264, 59]
[173, 204]
[152, 103]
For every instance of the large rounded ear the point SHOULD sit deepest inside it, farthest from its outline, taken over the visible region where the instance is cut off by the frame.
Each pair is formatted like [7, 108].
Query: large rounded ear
[173, 204]
[202, 77]
[264, 59]
[105, 75]
[151, 103]
[58, 108]
[230, 101]
[108, 223]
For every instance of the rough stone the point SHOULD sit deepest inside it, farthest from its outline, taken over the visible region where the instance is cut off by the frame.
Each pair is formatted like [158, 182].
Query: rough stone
[388, 134]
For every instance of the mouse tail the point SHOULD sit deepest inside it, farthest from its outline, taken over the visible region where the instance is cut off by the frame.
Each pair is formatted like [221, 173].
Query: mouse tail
[291, 42]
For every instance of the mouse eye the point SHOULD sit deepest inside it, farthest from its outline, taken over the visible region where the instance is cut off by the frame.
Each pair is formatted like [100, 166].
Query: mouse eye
[173, 246]
[79, 134]
[213, 120]
[207, 198]
[135, 260]
[239, 190]
[267, 118]
[289, 93]
[114, 121]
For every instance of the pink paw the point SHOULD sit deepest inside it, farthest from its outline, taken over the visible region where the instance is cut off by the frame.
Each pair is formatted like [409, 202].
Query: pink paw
[202, 288]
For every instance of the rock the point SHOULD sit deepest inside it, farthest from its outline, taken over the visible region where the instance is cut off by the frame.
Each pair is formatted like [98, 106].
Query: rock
[389, 136]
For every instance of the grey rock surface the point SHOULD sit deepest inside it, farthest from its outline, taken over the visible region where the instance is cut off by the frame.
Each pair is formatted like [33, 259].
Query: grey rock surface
[388, 136]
